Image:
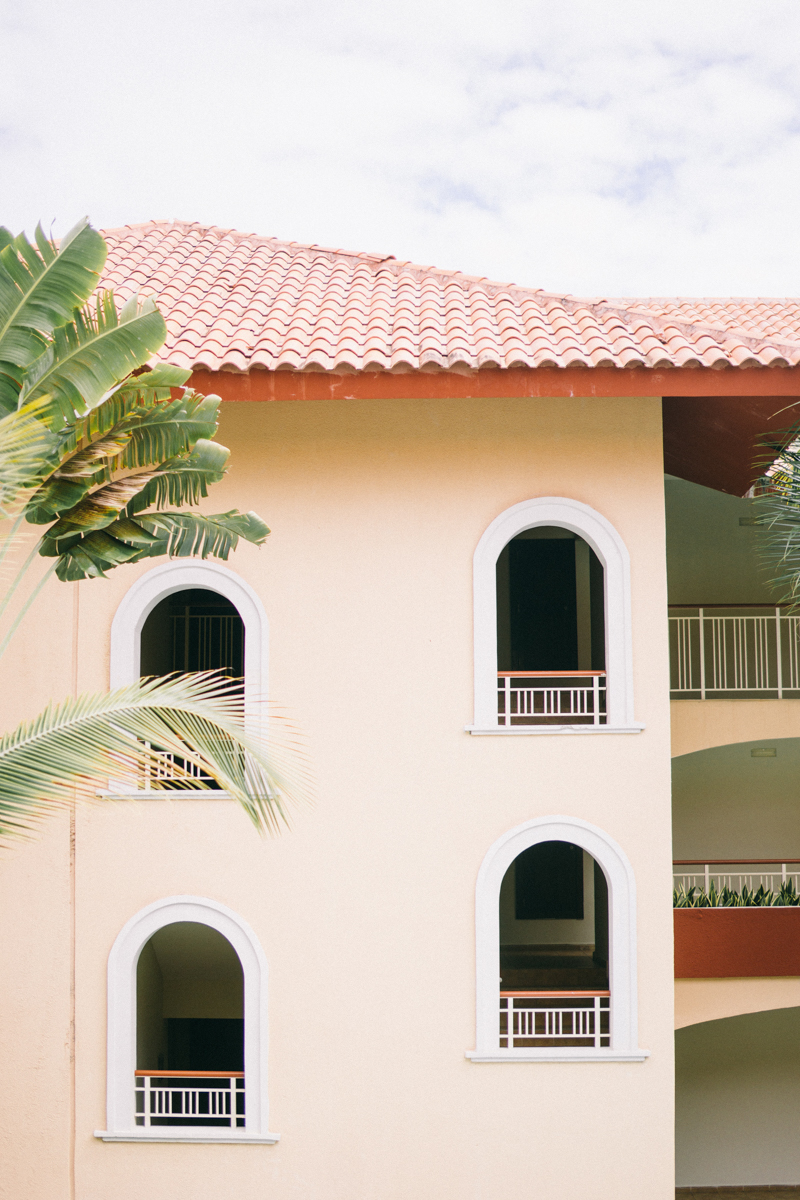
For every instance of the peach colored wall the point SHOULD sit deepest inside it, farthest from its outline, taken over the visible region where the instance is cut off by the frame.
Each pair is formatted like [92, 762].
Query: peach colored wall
[699, 1000]
[366, 909]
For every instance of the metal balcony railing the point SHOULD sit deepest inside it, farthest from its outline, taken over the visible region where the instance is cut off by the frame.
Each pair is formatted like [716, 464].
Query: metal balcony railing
[551, 698]
[194, 1098]
[577, 1018]
[735, 874]
[727, 650]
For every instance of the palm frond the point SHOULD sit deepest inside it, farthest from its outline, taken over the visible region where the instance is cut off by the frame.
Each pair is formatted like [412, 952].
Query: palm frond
[115, 739]
[88, 357]
[777, 509]
[40, 287]
[26, 444]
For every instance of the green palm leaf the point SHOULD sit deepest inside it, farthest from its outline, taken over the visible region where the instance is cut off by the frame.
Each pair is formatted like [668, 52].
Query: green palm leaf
[40, 287]
[88, 357]
[135, 427]
[26, 444]
[80, 745]
[177, 534]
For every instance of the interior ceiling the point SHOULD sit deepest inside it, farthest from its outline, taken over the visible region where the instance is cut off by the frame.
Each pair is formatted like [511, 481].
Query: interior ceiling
[189, 950]
[714, 440]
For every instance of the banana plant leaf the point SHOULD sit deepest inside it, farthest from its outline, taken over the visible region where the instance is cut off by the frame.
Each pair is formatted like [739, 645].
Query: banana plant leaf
[177, 534]
[89, 356]
[40, 288]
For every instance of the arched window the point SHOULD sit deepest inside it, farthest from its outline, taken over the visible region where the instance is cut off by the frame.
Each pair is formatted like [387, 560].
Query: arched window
[552, 622]
[187, 1027]
[556, 946]
[554, 949]
[551, 646]
[134, 648]
[189, 1030]
[192, 617]
[194, 629]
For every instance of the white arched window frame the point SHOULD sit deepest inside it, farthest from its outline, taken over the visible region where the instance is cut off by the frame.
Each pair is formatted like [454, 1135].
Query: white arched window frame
[148, 591]
[611, 550]
[621, 943]
[121, 1050]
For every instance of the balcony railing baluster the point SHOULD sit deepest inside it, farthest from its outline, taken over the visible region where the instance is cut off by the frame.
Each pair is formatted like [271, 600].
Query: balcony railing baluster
[752, 650]
[551, 697]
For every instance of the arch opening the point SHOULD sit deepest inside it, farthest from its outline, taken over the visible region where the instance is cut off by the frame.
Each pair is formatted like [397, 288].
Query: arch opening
[536, 601]
[559, 863]
[551, 643]
[554, 979]
[189, 1029]
[193, 629]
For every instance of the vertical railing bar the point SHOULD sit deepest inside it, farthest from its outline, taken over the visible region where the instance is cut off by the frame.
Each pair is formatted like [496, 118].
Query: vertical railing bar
[779, 650]
[702, 657]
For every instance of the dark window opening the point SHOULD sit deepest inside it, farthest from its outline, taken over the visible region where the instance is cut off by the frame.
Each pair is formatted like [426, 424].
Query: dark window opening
[550, 604]
[554, 919]
[548, 883]
[193, 630]
[189, 1019]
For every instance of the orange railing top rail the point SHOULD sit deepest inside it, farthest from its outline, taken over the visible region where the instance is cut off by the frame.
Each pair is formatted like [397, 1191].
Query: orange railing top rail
[190, 1074]
[555, 995]
[732, 862]
[547, 674]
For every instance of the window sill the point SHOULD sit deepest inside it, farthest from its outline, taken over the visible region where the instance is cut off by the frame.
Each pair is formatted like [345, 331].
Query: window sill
[203, 1136]
[164, 794]
[540, 730]
[568, 1054]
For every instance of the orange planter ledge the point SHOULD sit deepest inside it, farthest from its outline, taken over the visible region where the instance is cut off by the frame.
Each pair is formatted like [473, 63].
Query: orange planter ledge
[731, 943]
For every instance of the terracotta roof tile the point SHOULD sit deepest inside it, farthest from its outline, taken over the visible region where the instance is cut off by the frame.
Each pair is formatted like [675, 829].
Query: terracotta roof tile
[233, 301]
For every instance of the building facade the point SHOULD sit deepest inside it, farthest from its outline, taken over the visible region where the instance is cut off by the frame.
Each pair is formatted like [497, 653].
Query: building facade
[453, 976]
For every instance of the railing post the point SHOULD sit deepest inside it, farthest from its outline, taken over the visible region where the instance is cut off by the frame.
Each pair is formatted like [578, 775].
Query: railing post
[596, 698]
[779, 650]
[706, 876]
[147, 1101]
[508, 699]
[702, 658]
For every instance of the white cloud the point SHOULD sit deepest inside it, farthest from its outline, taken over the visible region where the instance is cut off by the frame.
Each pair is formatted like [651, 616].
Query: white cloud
[599, 148]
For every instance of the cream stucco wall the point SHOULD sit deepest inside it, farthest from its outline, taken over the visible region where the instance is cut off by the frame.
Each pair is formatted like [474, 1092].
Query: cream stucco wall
[366, 908]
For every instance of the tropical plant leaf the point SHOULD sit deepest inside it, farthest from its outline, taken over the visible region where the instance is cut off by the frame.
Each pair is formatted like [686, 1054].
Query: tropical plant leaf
[777, 509]
[194, 535]
[76, 747]
[180, 535]
[26, 444]
[88, 357]
[42, 285]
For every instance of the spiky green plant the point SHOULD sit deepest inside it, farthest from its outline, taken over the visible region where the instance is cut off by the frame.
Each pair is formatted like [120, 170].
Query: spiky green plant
[104, 453]
[725, 897]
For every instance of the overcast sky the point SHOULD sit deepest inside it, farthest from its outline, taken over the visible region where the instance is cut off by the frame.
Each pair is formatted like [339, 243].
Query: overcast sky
[599, 147]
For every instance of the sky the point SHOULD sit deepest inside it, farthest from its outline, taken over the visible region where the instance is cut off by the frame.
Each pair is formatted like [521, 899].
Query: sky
[593, 147]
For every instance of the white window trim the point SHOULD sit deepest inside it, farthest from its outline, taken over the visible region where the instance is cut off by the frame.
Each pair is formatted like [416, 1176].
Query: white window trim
[611, 550]
[121, 1049]
[136, 606]
[621, 936]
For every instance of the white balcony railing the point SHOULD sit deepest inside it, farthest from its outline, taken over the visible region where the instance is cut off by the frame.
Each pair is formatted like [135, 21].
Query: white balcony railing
[163, 769]
[735, 874]
[733, 649]
[530, 1019]
[190, 1098]
[551, 697]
